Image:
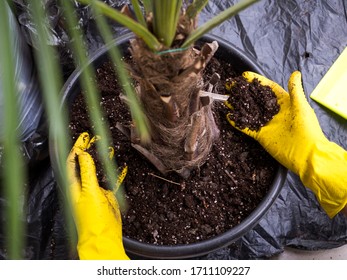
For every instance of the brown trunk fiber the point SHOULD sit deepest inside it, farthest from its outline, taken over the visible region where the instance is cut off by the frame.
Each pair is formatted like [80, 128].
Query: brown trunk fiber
[181, 121]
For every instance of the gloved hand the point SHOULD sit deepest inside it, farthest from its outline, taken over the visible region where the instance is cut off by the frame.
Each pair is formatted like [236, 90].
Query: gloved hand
[95, 210]
[295, 139]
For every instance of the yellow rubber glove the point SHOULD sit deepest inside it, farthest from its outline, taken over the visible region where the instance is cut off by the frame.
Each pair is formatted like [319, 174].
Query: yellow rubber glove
[295, 139]
[95, 210]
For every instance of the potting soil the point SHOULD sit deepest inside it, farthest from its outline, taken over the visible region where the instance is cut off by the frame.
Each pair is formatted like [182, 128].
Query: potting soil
[282, 36]
[168, 209]
[253, 105]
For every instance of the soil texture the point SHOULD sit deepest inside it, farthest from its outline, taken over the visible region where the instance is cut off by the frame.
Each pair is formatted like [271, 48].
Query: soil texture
[169, 210]
[253, 105]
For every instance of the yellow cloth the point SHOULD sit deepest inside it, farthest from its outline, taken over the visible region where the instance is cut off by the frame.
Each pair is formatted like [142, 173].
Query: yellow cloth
[95, 210]
[295, 139]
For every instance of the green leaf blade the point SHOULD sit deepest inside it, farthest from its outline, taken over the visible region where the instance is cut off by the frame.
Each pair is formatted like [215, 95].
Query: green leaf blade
[140, 30]
[217, 20]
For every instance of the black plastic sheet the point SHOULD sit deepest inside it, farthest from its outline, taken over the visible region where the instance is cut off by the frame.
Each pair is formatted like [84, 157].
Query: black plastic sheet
[30, 108]
[282, 36]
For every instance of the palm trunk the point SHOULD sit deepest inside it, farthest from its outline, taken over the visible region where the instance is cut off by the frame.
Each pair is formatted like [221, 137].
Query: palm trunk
[181, 121]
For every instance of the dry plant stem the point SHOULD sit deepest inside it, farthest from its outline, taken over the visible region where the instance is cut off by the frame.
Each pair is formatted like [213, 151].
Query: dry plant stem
[166, 180]
[182, 124]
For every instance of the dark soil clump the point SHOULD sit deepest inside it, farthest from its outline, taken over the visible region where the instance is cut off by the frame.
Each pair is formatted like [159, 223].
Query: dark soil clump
[253, 105]
[171, 210]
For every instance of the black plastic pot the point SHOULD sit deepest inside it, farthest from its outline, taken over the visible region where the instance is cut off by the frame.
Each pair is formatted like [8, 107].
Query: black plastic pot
[241, 62]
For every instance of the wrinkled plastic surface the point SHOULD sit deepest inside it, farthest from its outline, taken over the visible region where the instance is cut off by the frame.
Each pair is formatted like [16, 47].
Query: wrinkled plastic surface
[283, 36]
[28, 93]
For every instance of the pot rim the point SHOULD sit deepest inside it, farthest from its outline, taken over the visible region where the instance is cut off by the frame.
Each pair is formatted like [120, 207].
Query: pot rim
[204, 247]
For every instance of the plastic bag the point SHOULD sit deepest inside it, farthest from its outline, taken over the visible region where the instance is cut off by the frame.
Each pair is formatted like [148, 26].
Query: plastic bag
[32, 130]
[30, 105]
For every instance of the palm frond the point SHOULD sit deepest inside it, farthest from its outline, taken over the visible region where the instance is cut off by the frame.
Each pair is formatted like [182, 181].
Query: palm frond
[50, 76]
[91, 93]
[195, 8]
[128, 22]
[13, 169]
[165, 18]
[138, 12]
[217, 20]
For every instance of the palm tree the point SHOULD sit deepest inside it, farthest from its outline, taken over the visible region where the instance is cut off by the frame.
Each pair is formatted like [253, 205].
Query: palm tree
[168, 71]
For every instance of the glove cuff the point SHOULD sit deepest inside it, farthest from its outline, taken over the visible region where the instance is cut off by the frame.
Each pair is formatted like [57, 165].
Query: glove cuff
[101, 248]
[325, 174]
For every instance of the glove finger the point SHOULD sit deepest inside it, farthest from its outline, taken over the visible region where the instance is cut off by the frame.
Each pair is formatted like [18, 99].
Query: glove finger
[111, 198]
[71, 165]
[72, 174]
[80, 145]
[92, 141]
[247, 131]
[296, 91]
[227, 103]
[82, 141]
[89, 181]
[110, 153]
[120, 178]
